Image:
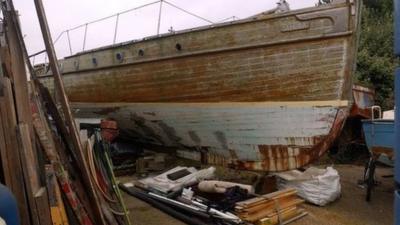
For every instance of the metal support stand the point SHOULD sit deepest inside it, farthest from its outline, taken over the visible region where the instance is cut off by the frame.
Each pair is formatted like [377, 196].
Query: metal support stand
[397, 147]
[397, 114]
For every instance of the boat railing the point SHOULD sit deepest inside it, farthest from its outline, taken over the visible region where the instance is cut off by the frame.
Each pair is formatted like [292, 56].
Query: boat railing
[116, 17]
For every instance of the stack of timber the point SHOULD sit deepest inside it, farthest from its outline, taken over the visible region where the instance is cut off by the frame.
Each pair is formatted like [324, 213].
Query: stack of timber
[43, 160]
[281, 207]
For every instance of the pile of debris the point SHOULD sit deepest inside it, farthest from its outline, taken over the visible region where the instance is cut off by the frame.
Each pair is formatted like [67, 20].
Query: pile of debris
[195, 197]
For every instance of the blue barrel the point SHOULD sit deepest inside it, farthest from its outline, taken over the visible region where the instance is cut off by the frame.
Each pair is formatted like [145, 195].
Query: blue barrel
[8, 206]
[397, 27]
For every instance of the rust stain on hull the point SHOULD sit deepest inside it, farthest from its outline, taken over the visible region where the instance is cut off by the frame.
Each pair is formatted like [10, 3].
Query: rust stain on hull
[267, 93]
[281, 158]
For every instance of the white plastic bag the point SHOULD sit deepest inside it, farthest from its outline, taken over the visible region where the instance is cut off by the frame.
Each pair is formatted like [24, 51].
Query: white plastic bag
[317, 186]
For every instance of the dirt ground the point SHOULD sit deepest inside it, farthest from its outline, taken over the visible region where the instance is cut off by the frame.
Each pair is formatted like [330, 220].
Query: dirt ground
[350, 209]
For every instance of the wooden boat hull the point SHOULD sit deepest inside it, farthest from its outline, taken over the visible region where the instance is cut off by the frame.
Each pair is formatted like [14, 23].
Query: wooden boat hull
[266, 93]
[270, 136]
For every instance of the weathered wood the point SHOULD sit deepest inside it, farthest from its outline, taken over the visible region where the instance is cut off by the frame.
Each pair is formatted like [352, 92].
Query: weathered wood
[9, 126]
[58, 213]
[29, 159]
[37, 195]
[80, 158]
[18, 71]
[51, 149]
[7, 170]
[270, 208]
[303, 56]
[43, 207]
[63, 154]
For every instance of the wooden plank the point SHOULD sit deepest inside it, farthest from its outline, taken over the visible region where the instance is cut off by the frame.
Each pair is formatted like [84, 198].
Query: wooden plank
[5, 58]
[5, 162]
[48, 143]
[29, 159]
[78, 150]
[9, 124]
[284, 215]
[37, 195]
[18, 69]
[79, 157]
[43, 207]
[58, 213]
[62, 146]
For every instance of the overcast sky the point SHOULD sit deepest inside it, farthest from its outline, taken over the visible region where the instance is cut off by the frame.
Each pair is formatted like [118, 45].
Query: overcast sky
[65, 14]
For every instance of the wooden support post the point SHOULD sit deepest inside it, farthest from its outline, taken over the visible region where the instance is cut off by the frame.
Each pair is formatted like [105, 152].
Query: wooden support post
[37, 195]
[59, 86]
[10, 150]
[19, 74]
[52, 151]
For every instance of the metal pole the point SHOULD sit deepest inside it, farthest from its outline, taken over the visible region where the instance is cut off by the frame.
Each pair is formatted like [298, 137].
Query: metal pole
[69, 42]
[159, 18]
[397, 113]
[84, 38]
[397, 147]
[116, 29]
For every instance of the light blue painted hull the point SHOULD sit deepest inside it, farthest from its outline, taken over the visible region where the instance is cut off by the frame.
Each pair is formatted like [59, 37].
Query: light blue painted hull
[380, 134]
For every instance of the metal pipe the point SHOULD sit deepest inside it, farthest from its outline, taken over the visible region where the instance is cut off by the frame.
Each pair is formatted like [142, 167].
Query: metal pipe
[397, 147]
[397, 113]
[84, 38]
[116, 28]
[159, 18]
[169, 210]
[69, 42]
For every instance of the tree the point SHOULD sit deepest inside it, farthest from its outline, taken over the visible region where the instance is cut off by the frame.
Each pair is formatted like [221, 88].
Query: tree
[376, 61]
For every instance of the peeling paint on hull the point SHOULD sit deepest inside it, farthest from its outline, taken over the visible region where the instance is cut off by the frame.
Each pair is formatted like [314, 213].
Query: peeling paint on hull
[267, 93]
[254, 136]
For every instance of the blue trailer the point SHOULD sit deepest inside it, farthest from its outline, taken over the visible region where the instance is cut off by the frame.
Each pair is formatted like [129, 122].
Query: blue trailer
[380, 139]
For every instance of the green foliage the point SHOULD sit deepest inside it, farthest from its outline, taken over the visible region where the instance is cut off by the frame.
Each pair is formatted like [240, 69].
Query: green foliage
[376, 61]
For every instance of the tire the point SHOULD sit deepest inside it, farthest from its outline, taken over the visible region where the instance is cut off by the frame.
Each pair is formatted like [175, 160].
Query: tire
[370, 176]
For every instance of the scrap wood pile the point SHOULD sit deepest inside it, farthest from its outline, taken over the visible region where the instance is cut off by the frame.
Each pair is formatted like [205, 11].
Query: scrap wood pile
[58, 175]
[279, 207]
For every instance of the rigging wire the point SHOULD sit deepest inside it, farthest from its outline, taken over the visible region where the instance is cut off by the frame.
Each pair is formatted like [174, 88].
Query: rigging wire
[86, 25]
[190, 13]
